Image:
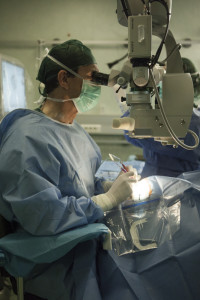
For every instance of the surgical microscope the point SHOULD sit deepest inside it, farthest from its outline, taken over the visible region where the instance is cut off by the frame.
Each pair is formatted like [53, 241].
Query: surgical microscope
[165, 118]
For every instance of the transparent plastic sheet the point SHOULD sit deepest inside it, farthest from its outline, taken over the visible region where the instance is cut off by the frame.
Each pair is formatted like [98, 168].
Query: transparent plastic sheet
[146, 224]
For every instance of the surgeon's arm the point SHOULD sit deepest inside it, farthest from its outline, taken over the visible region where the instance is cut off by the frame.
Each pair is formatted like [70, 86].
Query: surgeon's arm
[29, 192]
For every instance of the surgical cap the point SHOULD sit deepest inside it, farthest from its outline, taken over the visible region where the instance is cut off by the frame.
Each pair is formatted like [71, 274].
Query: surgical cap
[188, 66]
[71, 53]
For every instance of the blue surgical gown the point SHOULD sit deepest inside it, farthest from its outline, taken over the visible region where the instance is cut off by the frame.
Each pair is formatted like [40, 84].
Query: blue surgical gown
[47, 173]
[47, 179]
[41, 160]
[166, 160]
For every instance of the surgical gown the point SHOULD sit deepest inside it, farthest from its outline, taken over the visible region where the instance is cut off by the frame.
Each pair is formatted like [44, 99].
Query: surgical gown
[87, 272]
[165, 160]
[47, 177]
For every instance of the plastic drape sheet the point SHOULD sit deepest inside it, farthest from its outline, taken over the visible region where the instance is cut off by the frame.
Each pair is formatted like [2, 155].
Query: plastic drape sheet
[170, 271]
[145, 224]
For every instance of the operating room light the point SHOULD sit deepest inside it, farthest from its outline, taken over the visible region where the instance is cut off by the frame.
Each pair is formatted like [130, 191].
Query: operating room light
[141, 189]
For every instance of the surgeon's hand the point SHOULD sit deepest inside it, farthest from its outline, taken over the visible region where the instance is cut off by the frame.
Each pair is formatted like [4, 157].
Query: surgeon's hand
[131, 169]
[120, 191]
[107, 184]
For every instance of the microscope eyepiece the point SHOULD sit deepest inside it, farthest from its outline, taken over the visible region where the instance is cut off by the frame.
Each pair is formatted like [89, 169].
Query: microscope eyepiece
[100, 78]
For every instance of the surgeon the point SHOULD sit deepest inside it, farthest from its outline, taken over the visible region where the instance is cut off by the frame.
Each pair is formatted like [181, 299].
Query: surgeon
[165, 160]
[48, 164]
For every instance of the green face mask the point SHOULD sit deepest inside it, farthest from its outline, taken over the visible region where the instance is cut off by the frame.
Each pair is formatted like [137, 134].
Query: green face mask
[89, 97]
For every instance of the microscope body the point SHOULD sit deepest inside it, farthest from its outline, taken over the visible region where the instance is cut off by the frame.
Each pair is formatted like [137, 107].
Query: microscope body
[177, 87]
[165, 117]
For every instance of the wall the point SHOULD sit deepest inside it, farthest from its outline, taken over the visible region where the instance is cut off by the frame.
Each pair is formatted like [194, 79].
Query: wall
[23, 23]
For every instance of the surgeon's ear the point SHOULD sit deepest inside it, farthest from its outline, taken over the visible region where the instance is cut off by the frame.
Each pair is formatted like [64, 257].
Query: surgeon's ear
[62, 79]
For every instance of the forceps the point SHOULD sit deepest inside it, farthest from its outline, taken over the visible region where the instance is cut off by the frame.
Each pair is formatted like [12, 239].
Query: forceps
[118, 161]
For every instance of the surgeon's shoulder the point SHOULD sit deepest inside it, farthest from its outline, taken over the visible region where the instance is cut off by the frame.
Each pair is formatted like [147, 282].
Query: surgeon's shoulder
[18, 118]
[12, 117]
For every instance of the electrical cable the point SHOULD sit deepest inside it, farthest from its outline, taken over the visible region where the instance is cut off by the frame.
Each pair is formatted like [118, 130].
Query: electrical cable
[178, 46]
[156, 57]
[110, 65]
[173, 135]
[125, 8]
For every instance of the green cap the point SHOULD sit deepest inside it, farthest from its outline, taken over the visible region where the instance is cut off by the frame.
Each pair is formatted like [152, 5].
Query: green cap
[188, 66]
[72, 54]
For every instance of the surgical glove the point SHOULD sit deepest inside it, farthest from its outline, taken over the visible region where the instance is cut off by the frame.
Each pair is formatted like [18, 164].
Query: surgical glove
[120, 191]
[107, 185]
[131, 169]
[136, 176]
